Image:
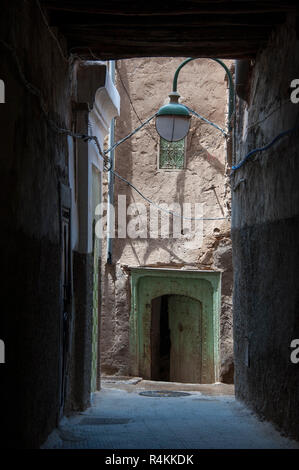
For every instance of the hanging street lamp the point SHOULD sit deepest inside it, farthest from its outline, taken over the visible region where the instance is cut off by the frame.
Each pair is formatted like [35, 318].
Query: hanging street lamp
[173, 119]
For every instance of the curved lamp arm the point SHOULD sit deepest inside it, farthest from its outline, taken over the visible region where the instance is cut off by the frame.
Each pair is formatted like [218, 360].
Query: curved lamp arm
[231, 100]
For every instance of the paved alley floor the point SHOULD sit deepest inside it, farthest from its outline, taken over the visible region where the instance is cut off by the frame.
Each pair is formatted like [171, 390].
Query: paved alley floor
[207, 417]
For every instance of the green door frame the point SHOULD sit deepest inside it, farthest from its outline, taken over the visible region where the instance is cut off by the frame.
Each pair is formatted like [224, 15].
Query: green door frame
[149, 283]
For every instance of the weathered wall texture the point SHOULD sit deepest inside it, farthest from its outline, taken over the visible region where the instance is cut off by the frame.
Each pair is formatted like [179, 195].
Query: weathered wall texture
[202, 87]
[33, 162]
[79, 380]
[265, 224]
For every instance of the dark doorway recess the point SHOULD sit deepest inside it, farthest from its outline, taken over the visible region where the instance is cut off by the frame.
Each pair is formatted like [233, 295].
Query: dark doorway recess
[176, 339]
[160, 339]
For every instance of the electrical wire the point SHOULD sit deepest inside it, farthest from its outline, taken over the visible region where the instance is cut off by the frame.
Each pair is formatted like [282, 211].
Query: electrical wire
[149, 119]
[122, 82]
[130, 135]
[269, 115]
[261, 149]
[131, 102]
[51, 32]
[207, 121]
[53, 35]
[63, 131]
[53, 125]
[175, 214]
[34, 90]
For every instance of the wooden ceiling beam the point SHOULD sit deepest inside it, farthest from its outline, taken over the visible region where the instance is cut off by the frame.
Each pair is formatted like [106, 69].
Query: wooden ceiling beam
[61, 18]
[118, 53]
[123, 29]
[166, 8]
[131, 43]
[168, 35]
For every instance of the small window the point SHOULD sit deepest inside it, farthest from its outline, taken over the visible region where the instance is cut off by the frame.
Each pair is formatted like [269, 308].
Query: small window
[172, 154]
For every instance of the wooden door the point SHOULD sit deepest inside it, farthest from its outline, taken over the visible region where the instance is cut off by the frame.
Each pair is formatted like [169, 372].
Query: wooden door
[185, 316]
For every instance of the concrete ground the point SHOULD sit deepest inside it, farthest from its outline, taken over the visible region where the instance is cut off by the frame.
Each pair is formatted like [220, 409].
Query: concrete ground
[208, 418]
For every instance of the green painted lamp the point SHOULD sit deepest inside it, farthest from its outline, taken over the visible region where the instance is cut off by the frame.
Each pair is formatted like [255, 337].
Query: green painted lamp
[173, 119]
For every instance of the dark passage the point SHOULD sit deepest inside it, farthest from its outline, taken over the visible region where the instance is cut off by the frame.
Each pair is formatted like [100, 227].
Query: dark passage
[160, 340]
[165, 343]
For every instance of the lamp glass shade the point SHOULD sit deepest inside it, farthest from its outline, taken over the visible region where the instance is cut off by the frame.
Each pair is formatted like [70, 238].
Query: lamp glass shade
[172, 127]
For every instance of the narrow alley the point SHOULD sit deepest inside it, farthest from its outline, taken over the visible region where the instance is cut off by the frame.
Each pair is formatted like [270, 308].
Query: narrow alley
[124, 415]
[149, 225]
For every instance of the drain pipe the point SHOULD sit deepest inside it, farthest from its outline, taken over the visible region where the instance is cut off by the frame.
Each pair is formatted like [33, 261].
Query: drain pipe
[110, 198]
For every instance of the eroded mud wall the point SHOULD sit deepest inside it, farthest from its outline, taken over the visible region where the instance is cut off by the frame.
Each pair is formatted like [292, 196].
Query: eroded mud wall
[265, 207]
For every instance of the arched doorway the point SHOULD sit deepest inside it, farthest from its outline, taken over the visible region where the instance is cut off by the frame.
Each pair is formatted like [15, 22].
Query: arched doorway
[194, 293]
[176, 339]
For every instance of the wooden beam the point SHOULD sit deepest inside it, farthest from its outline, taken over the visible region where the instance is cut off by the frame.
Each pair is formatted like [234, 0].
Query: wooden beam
[175, 43]
[167, 8]
[166, 35]
[63, 18]
[115, 52]
[122, 29]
